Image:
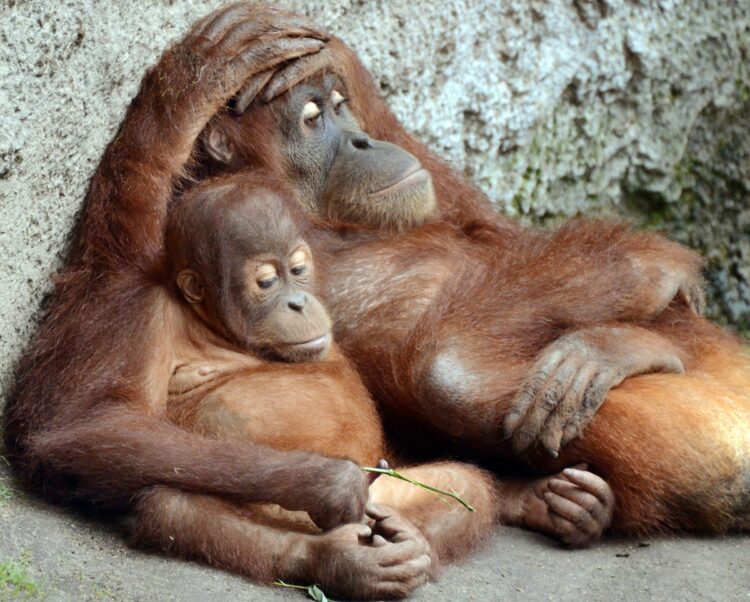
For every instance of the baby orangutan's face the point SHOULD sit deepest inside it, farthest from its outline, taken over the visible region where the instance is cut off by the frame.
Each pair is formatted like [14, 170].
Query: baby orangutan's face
[256, 284]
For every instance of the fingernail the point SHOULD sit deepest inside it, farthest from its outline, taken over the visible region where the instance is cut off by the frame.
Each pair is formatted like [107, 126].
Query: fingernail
[553, 453]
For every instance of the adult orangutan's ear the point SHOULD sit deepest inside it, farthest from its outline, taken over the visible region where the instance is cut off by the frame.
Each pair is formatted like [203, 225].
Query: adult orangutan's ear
[189, 282]
[217, 144]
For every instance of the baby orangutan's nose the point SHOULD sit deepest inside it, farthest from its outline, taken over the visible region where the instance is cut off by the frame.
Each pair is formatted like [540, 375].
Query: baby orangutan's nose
[297, 301]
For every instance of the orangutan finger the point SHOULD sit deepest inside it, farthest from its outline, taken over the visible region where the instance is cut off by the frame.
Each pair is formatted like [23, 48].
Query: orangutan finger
[590, 482]
[596, 393]
[545, 403]
[295, 72]
[552, 433]
[529, 390]
[251, 90]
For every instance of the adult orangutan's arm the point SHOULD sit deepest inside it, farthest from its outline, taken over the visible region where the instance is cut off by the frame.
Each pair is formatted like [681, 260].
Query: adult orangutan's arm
[129, 193]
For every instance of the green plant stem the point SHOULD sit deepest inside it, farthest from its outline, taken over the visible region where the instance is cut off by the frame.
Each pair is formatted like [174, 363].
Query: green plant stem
[281, 583]
[313, 591]
[397, 475]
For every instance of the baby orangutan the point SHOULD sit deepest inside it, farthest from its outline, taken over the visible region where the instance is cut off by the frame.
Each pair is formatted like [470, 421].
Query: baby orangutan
[254, 363]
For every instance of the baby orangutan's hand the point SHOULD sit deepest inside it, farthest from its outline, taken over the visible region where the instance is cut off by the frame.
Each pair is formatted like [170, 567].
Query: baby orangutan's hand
[574, 506]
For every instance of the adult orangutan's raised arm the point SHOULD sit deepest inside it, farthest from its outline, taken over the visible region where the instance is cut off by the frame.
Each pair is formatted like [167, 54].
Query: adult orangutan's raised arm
[130, 190]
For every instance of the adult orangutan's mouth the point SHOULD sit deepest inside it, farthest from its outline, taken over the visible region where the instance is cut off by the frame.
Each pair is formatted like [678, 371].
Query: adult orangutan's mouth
[416, 175]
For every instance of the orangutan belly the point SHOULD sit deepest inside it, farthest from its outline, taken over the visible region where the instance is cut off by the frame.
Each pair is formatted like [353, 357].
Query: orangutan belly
[316, 407]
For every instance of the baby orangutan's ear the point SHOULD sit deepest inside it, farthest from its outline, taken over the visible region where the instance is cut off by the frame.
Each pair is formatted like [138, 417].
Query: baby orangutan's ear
[191, 285]
[217, 144]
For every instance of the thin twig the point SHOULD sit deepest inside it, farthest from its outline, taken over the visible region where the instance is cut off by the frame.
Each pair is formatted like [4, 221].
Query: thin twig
[397, 475]
[313, 591]
[281, 583]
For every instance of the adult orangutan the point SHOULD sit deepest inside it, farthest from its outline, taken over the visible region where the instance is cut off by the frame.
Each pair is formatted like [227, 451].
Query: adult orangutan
[88, 419]
[108, 405]
[497, 336]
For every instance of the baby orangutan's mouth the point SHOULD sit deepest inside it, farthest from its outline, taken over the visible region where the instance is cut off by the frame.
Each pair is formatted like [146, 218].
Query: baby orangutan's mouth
[317, 344]
[304, 351]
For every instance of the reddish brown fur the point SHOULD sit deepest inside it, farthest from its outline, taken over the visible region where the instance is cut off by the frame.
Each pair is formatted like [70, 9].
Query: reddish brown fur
[499, 294]
[213, 430]
[674, 448]
[669, 471]
[88, 417]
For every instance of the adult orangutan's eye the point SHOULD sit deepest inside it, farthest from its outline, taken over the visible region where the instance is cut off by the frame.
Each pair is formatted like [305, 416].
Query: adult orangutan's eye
[311, 114]
[338, 100]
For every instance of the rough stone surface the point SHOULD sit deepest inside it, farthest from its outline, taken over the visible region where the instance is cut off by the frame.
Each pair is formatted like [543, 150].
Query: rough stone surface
[710, 209]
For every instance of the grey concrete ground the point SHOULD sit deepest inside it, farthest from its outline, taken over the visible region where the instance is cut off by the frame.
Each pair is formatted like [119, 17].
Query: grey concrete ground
[71, 558]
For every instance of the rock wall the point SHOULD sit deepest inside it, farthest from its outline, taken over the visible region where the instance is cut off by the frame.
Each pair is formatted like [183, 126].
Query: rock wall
[638, 108]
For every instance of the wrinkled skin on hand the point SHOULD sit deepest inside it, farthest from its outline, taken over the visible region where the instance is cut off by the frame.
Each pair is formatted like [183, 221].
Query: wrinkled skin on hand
[272, 83]
[223, 51]
[341, 494]
[389, 526]
[572, 377]
[386, 561]
[574, 506]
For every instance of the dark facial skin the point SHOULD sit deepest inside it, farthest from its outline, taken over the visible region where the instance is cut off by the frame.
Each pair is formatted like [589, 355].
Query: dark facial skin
[248, 274]
[337, 169]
